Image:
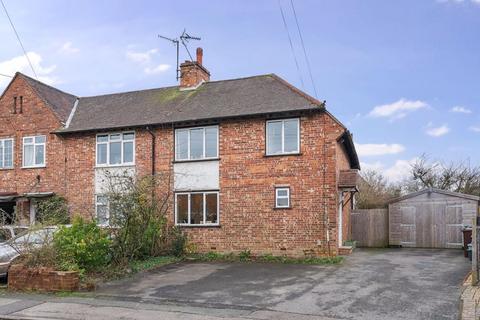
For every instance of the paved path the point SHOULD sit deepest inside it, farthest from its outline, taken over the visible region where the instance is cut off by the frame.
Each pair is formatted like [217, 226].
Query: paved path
[371, 284]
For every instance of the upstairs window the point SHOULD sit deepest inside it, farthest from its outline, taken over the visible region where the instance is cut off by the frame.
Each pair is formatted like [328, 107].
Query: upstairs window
[34, 151]
[283, 136]
[196, 143]
[6, 153]
[116, 149]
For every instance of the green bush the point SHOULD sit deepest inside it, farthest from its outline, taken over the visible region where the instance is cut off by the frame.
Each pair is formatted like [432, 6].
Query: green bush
[52, 211]
[83, 245]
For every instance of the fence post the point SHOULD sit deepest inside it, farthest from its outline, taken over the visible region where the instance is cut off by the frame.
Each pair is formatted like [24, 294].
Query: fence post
[475, 245]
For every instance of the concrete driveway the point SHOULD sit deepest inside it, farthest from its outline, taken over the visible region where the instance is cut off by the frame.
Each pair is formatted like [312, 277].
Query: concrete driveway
[370, 284]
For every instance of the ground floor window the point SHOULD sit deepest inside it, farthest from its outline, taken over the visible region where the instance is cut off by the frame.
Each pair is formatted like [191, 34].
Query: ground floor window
[196, 208]
[282, 197]
[101, 210]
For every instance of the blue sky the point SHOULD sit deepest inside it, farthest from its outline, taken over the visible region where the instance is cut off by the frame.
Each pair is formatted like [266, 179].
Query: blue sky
[402, 75]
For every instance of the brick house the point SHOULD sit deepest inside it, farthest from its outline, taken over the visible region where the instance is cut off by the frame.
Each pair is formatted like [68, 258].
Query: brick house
[256, 163]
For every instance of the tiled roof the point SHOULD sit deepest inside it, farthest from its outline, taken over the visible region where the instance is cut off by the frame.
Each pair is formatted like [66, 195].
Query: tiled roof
[348, 179]
[258, 95]
[60, 102]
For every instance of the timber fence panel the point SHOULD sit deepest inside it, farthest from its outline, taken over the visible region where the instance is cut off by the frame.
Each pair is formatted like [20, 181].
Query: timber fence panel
[370, 227]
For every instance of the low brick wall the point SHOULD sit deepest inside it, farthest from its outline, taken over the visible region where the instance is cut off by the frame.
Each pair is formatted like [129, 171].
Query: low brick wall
[42, 279]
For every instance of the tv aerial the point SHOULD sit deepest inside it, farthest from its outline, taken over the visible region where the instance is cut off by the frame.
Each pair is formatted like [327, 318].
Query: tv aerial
[184, 38]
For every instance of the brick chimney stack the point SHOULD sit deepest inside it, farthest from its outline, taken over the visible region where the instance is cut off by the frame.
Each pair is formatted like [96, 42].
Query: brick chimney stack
[193, 73]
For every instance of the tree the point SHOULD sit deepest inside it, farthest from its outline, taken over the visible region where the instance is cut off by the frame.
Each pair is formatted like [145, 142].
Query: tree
[457, 177]
[375, 190]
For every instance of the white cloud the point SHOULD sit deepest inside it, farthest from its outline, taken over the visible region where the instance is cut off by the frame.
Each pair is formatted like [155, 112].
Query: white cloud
[438, 131]
[475, 128]
[141, 57]
[370, 149]
[397, 172]
[398, 109]
[68, 48]
[20, 63]
[158, 69]
[459, 109]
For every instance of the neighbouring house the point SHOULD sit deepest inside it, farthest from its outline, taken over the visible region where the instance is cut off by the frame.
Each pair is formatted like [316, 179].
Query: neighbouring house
[431, 218]
[257, 164]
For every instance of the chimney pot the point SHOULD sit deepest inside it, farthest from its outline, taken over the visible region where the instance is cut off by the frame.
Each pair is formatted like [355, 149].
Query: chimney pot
[200, 56]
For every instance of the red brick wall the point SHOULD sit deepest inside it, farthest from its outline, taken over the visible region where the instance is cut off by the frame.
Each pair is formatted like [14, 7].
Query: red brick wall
[36, 119]
[80, 174]
[247, 179]
[42, 279]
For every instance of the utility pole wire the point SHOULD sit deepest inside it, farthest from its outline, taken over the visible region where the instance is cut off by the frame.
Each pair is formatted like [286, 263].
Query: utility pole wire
[18, 38]
[4, 75]
[304, 50]
[291, 45]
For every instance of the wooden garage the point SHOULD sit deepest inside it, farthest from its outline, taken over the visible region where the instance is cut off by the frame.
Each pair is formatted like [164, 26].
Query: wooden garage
[431, 218]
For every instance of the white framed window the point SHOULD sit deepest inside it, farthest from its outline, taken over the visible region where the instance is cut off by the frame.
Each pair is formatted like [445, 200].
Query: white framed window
[34, 151]
[6, 153]
[115, 149]
[196, 143]
[283, 136]
[102, 213]
[282, 197]
[197, 208]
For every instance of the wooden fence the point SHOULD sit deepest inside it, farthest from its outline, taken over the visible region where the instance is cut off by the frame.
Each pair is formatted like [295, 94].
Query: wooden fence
[475, 251]
[370, 227]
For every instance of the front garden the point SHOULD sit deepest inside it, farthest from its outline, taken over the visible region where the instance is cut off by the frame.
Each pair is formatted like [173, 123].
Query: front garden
[138, 238]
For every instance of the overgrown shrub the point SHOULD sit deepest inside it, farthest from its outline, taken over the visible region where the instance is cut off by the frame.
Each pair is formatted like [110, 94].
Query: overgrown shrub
[138, 207]
[52, 211]
[84, 245]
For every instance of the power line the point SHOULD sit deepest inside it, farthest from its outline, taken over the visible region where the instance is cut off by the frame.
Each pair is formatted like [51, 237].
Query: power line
[18, 38]
[4, 75]
[304, 50]
[291, 44]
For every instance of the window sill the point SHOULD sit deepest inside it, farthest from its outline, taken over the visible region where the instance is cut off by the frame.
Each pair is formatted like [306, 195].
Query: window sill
[34, 167]
[5, 169]
[198, 225]
[115, 166]
[196, 160]
[282, 208]
[296, 154]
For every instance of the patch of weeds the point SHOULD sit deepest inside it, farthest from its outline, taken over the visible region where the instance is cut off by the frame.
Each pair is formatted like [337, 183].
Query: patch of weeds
[68, 294]
[310, 260]
[152, 263]
[245, 255]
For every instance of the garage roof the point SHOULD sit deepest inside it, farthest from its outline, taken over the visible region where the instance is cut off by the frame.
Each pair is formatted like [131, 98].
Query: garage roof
[435, 190]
